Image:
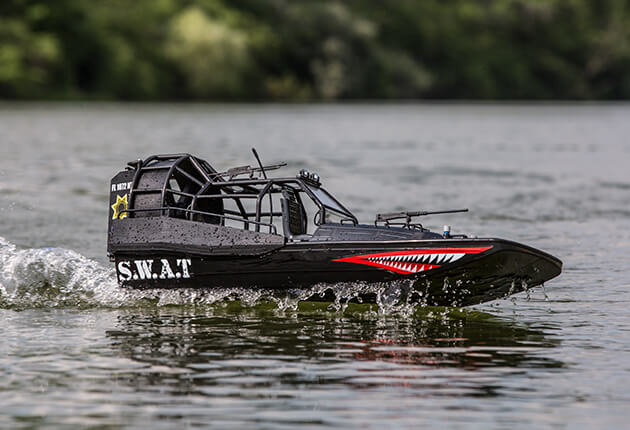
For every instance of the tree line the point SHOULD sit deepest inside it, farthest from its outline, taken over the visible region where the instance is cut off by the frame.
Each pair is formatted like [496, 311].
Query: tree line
[303, 50]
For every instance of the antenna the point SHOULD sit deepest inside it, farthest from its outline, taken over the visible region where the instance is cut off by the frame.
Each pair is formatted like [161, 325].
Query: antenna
[262, 168]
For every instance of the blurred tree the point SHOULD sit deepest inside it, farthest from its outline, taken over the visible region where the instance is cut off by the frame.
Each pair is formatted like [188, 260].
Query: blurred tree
[28, 58]
[315, 50]
[212, 56]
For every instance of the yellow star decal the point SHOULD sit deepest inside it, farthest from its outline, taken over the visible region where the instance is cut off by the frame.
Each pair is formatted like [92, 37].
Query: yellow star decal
[120, 201]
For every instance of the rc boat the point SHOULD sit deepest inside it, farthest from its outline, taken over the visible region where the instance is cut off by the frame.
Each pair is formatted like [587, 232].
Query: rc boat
[175, 221]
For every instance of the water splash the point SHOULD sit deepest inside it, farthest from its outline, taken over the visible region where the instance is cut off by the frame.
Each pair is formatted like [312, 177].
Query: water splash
[57, 277]
[544, 291]
[525, 287]
[53, 277]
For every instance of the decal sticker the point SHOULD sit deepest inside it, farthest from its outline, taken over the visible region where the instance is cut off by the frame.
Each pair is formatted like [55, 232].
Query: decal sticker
[413, 261]
[162, 268]
[121, 205]
[121, 186]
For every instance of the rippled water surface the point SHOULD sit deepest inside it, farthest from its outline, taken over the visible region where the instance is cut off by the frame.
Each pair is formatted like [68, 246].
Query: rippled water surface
[78, 352]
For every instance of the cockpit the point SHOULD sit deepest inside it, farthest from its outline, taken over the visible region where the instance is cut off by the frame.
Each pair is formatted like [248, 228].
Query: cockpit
[187, 187]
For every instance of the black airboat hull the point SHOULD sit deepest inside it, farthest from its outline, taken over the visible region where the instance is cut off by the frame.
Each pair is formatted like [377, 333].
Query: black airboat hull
[177, 222]
[496, 268]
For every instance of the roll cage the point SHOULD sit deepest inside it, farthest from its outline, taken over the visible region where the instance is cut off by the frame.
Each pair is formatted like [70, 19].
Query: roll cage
[187, 187]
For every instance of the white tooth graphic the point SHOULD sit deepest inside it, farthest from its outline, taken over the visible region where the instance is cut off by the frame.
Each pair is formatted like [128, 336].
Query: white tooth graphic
[441, 257]
[450, 257]
[421, 268]
[457, 257]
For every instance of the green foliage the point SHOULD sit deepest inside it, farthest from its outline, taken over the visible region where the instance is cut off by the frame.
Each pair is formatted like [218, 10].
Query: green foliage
[28, 58]
[212, 56]
[314, 50]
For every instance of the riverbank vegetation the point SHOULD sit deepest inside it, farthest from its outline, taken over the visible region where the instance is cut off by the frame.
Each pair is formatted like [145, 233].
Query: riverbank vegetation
[303, 50]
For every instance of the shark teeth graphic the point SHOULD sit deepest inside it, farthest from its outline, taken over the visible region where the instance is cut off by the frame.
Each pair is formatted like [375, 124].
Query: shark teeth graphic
[413, 261]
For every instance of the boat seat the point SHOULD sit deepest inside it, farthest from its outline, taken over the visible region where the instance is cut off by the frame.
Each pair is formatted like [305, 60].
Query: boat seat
[293, 216]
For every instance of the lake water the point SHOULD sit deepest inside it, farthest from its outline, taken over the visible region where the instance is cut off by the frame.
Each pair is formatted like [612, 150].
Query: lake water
[77, 352]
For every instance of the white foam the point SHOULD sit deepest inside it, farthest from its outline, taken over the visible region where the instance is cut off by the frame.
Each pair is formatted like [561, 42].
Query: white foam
[57, 277]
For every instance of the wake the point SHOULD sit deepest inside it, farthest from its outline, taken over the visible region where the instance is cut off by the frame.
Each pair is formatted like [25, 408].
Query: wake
[58, 277]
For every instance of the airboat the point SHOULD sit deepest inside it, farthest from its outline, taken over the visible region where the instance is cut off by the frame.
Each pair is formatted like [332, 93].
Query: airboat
[177, 222]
